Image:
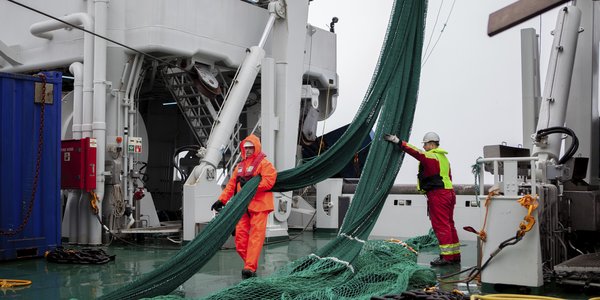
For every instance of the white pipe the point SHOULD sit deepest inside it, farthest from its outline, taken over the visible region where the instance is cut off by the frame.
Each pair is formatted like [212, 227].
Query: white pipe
[69, 224]
[76, 69]
[131, 76]
[492, 159]
[131, 118]
[126, 131]
[122, 117]
[48, 64]
[88, 79]
[125, 110]
[42, 29]
[83, 216]
[99, 116]
[268, 27]
[121, 98]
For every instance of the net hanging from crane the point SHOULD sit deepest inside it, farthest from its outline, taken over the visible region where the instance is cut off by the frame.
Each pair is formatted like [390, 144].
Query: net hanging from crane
[348, 267]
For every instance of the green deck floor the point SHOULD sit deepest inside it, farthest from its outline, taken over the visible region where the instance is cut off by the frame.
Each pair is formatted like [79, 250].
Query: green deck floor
[62, 281]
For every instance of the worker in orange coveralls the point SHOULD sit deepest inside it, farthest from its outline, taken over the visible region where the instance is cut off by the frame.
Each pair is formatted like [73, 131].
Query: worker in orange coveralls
[435, 180]
[250, 230]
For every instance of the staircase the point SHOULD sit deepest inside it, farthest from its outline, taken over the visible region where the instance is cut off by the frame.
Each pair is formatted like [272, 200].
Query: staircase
[195, 97]
[196, 92]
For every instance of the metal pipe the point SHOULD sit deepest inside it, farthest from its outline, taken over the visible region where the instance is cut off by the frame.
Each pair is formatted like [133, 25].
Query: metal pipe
[492, 159]
[69, 223]
[125, 106]
[70, 219]
[99, 116]
[42, 29]
[131, 113]
[88, 78]
[121, 97]
[83, 216]
[558, 80]
[267, 31]
[76, 69]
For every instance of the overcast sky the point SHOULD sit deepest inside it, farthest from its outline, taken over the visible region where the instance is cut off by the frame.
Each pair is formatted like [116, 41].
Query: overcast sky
[470, 92]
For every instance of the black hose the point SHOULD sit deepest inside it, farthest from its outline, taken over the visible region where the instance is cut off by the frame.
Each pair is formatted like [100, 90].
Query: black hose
[475, 271]
[184, 176]
[559, 129]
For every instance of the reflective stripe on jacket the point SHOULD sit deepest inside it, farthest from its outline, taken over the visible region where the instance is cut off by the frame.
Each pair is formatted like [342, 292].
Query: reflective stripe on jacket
[263, 200]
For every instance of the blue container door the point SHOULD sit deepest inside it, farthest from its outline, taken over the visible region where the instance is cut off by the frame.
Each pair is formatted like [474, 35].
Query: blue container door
[29, 226]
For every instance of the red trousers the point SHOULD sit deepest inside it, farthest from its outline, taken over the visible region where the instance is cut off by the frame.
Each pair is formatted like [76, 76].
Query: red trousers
[440, 203]
[250, 237]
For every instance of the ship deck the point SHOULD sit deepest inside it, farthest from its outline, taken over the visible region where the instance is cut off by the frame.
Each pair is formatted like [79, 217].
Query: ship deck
[76, 281]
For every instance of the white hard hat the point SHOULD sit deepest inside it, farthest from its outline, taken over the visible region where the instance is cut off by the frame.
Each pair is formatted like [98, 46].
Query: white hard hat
[248, 144]
[431, 137]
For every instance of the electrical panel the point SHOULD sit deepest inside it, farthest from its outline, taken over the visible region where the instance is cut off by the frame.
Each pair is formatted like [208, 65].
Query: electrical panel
[78, 162]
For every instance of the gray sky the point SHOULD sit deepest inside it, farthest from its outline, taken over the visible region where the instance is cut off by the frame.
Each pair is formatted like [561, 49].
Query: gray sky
[470, 92]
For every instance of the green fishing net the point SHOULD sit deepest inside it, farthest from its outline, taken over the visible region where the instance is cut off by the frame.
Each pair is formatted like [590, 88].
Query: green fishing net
[382, 267]
[350, 266]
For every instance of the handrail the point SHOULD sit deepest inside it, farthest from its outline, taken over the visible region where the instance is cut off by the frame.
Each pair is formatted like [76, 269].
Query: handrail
[492, 159]
[496, 160]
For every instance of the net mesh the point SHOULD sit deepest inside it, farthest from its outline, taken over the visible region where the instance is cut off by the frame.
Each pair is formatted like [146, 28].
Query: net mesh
[349, 266]
[382, 267]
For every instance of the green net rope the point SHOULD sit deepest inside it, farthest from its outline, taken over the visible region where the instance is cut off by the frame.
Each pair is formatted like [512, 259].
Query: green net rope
[348, 267]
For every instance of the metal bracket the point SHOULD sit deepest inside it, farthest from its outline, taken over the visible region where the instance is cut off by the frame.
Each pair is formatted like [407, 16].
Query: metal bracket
[282, 206]
[278, 7]
[210, 174]
[37, 98]
[327, 204]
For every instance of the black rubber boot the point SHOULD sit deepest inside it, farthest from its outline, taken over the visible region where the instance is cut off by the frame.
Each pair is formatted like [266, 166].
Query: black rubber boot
[439, 262]
[248, 273]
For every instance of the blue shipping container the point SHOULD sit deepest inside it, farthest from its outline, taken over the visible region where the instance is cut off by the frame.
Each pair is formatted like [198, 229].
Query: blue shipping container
[29, 226]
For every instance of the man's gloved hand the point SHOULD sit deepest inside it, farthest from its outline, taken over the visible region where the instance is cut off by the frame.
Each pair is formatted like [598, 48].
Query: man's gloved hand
[217, 206]
[391, 138]
[242, 181]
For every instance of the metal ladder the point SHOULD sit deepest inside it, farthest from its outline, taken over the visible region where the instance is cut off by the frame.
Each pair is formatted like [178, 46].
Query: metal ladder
[199, 111]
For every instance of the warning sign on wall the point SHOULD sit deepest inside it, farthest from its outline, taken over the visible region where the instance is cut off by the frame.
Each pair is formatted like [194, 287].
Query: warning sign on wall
[134, 145]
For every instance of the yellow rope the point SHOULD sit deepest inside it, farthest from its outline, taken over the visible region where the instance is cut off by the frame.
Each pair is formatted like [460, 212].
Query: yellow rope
[404, 244]
[494, 191]
[9, 283]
